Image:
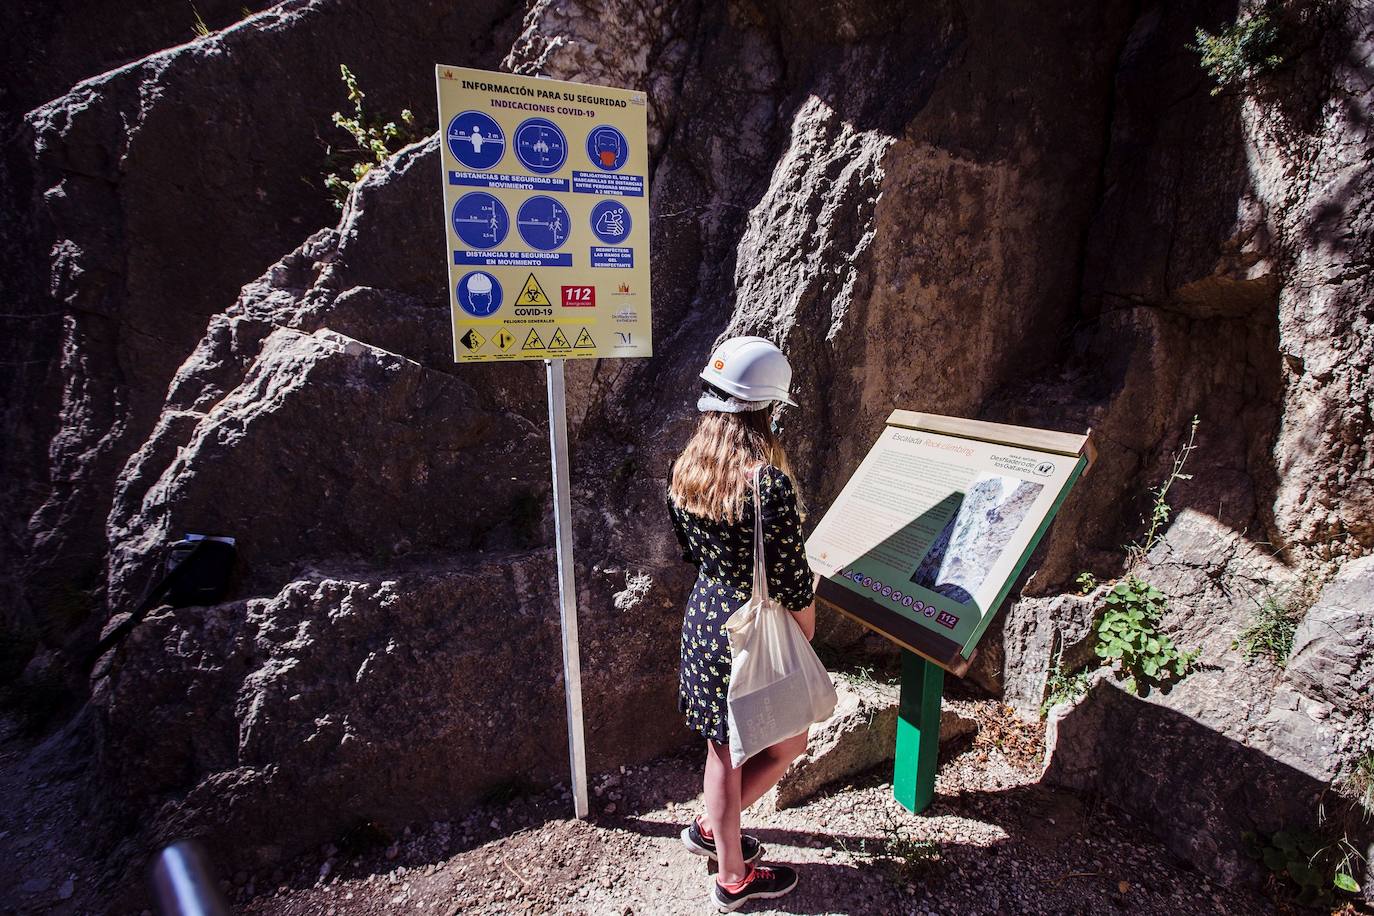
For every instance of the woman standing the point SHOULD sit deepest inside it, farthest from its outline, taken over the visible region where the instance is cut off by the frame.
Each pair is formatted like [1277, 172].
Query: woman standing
[710, 499]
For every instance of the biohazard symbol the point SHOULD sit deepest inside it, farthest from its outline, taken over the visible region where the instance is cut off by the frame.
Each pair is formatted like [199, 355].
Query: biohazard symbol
[472, 340]
[533, 341]
[584, 341]
[558, 341]
[504, 339]
[532, 293]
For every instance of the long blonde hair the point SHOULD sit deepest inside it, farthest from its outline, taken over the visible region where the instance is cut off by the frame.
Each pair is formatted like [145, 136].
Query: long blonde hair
[711, 476]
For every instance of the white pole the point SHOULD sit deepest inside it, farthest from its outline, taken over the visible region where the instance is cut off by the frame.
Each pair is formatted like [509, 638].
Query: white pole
[567, 591]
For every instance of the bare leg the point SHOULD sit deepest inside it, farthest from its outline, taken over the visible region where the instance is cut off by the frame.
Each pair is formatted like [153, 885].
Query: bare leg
[759, 774]
[722, 787]
[762, 771]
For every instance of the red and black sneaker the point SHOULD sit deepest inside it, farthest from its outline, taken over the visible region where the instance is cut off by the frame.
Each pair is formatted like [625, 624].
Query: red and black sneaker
[703, 845]
[762, 883]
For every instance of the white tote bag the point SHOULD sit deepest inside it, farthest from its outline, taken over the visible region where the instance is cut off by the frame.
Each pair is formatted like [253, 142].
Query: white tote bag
[778, 686]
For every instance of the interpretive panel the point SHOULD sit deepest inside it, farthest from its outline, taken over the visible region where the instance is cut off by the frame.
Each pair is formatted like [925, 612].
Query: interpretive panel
[926, 538]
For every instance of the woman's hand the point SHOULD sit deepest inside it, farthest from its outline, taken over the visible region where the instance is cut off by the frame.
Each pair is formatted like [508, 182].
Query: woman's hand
[806, 619]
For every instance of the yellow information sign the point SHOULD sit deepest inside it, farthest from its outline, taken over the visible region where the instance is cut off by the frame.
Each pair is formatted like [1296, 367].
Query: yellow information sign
[546, 203]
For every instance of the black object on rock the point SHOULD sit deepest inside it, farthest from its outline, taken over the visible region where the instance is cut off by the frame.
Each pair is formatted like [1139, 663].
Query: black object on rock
[198, 573]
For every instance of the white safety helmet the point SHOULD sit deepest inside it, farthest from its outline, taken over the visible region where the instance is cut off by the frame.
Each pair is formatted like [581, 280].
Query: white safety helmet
[752, 371]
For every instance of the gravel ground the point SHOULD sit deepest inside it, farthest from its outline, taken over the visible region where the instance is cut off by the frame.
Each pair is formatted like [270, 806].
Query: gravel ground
[994, 842]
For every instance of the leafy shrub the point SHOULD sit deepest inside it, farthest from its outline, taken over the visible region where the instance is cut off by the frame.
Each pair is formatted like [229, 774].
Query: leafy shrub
[373, 142]
[1129, 634]
[1243, 51]
[1314, 869]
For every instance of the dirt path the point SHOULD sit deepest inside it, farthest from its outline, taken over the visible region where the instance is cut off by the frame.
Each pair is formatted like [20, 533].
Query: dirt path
[994, 842]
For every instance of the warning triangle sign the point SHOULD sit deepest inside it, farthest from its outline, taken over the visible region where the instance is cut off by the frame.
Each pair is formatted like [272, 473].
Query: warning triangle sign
[584, 340]
[532, 293]
[533, 341]
[558, 341]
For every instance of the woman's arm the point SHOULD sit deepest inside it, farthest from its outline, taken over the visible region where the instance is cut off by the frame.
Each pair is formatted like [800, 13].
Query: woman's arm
[790, 580]
[806, 619]
[683, 543]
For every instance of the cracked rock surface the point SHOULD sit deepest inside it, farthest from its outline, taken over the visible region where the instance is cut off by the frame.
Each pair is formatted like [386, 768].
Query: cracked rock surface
[1041, 217]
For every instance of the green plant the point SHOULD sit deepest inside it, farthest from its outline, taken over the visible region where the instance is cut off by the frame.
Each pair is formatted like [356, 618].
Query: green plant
[198, 23]
[1086, 582]
[1360, 783]
[373, 142]
[1271, 628]
[1062, 686]
[1312, 867]
[859, 674]
[1160, 511]
[1129, 634]
[898, 852]
[1242, 51]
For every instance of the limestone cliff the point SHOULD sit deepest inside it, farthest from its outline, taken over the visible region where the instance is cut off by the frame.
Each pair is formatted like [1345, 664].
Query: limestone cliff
[1039, 216]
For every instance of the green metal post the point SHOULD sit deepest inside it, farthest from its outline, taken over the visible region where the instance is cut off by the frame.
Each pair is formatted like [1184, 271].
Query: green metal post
[918, 732]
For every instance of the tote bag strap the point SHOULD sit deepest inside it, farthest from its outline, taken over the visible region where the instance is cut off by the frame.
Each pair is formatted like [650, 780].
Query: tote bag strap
[760, 563]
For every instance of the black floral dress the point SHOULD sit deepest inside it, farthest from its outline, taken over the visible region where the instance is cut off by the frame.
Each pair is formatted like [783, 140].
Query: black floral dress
[724, 557]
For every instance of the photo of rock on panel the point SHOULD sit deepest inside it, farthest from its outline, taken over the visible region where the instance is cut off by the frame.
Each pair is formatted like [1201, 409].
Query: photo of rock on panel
[966, 550]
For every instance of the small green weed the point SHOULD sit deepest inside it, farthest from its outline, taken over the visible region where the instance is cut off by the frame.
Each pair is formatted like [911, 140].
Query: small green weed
[859, 674]
[1063, 687]
[1243, 51]
[1360, 783]
[373, 142]
[1315, 869]
[1160, 510]
[1086, 582]
[198, 23]
[1272, 628]
[1129, 633]
[899, 853]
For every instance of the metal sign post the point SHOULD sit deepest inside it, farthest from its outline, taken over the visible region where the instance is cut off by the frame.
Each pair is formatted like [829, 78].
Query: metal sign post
[546, 212]
[918, 732]
[567, 588]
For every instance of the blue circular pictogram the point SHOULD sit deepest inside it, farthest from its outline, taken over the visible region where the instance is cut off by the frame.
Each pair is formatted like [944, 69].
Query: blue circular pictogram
[479, 293]
[543, 223]
[480, 220]
[540, 145]
[611, 222]
[607, 148]
[475, 140]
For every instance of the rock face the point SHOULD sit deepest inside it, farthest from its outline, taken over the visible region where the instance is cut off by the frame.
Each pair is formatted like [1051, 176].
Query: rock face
[343, 699]
[1033, 216]
[1237, 746]
[158, 190]
[858, 736]
[1333, 650]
